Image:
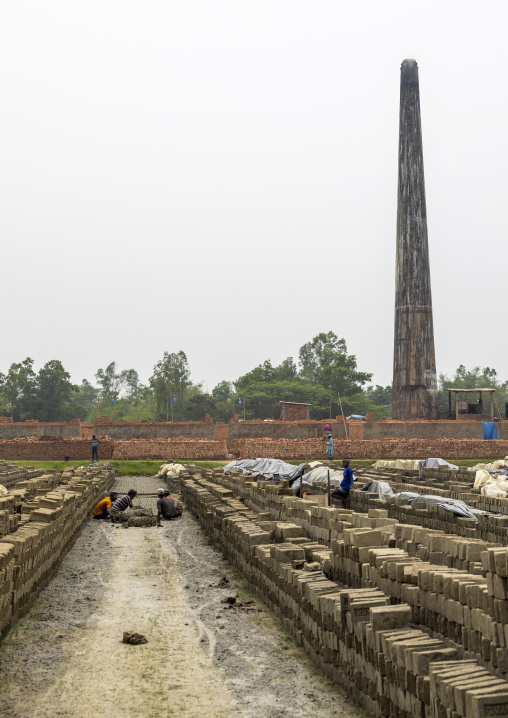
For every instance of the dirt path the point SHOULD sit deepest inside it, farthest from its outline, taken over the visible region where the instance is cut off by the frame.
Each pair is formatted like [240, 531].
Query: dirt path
[203, 658]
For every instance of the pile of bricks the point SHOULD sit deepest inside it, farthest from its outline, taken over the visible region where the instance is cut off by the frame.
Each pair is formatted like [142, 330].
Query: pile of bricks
[393, 611]
[39, 518]
[11, 473]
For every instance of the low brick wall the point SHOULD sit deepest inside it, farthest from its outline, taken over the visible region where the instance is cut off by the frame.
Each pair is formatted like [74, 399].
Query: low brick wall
[170, 449]
[381, 448]
[77, 449]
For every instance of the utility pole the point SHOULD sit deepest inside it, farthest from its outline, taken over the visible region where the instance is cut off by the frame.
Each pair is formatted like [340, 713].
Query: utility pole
[170, 400]
[98, 404]
[244, 407]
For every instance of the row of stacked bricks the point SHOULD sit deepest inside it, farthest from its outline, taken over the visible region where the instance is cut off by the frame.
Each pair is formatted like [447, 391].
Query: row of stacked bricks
[362, 595]
[12, 473]
[442, 482]
[39, 518]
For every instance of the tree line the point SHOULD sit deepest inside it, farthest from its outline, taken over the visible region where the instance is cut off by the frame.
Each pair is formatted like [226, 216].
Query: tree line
[323, 369]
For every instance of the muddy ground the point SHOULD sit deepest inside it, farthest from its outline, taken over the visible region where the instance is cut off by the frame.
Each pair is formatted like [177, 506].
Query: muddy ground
[66, 656]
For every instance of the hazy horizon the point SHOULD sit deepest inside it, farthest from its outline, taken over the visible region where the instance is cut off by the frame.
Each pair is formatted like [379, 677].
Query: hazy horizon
[221, 178]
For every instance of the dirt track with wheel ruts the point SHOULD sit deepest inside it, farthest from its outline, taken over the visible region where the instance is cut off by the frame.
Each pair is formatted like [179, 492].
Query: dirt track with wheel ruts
[203, 656]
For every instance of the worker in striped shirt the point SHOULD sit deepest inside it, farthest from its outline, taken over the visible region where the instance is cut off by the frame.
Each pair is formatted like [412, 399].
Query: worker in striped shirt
[122, 503]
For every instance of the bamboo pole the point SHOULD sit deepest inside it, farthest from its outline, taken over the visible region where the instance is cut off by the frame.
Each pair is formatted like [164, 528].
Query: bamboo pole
[343, 417]
[328, 492]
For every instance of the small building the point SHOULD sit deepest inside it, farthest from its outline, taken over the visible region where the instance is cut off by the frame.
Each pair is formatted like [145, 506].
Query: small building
[464, 408]
[294, 411]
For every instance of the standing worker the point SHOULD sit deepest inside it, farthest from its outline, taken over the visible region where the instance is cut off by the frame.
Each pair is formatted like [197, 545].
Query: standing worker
[347, 482]
[329, 447]
[95, 448]
[101, 511]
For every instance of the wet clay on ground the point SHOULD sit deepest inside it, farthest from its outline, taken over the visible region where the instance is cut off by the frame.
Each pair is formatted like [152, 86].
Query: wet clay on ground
[66, 657]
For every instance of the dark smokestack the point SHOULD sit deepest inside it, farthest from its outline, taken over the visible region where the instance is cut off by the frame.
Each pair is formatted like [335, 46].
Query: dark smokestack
[414, 361]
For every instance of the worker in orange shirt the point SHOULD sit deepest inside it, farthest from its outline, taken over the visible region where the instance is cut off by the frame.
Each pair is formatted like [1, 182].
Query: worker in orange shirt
[101, 511]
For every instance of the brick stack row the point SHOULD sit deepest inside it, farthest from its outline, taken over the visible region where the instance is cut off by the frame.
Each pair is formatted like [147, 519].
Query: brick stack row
[355, 635]
[58, 505]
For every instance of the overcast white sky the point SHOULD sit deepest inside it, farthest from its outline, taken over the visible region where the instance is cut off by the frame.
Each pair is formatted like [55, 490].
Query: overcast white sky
[220, 177]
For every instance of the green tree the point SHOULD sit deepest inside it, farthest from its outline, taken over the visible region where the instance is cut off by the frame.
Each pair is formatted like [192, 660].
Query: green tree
[54, 392]
[84, 401]
[225, 400]
[114, 384]
[475, 378]
[19, 386]
[171, 380]
[325, 361]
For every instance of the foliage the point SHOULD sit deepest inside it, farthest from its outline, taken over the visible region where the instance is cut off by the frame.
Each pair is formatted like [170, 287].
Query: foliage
[54, 392]
[475, 378]
[18, 387]
[115, 384]
[324, 368]
[171, 380]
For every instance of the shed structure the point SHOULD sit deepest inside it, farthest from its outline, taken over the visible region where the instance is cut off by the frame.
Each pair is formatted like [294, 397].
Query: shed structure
[464, 406]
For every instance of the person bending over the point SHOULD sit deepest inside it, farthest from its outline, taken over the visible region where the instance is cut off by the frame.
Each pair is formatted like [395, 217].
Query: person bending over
[122, 503]
[101, 511]
[347, 482]
[165, 507]
[178, 504]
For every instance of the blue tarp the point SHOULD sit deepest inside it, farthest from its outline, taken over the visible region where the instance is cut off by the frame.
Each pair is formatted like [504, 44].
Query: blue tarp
[489, 430]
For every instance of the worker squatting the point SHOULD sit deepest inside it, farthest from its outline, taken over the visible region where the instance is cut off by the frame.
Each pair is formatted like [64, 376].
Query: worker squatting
[168, 507]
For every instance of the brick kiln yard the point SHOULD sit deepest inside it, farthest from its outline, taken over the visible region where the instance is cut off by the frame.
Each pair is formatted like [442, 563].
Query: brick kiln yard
[65, 657]
[402, 607]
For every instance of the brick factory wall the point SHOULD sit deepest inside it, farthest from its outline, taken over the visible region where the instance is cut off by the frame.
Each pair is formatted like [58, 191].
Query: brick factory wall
[170, 449]
[75, 449]
[282, 429]
[155, 430]
[429, 430]
[387, 449]
[28, 428]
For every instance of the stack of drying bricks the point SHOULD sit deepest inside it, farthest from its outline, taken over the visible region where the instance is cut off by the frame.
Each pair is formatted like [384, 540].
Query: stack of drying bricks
[46, 513]
[11, 473]
[404, 638]
[493, 528]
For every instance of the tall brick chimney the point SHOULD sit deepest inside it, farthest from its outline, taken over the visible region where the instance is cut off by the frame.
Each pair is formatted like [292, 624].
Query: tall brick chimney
[414, 362]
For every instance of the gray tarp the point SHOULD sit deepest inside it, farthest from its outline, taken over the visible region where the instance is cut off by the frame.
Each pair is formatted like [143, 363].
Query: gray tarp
[268, 468]
[319, 475]
[434, 463]
[381, 488]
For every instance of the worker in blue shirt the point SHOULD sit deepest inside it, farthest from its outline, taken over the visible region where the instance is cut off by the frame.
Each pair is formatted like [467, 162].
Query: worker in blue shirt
[347, 482]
